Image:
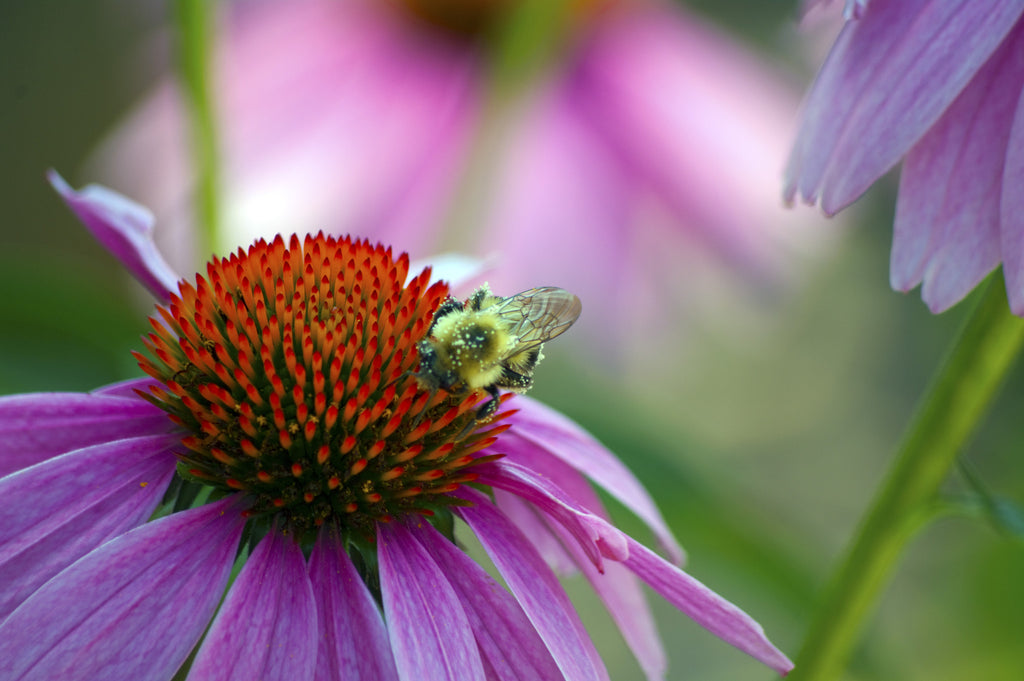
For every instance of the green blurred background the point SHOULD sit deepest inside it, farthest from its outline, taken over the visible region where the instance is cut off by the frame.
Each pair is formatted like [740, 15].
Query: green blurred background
[763, 454]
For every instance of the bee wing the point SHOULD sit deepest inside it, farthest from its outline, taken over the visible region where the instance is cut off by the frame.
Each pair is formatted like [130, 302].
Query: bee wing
[539, 314]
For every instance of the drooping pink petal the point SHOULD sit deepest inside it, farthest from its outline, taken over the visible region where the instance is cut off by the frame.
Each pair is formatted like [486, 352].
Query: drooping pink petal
[506, 638]
[617, 587]
[888, 79]
[353, 641]
[620, 591]
[595, 536]
[131, 610]
[57, 511]
[705, 607]
[1011, 212]
[124, 228]
[947, 214]
[430, 633]
[267, 627]
[526, 518]
[38, 426]
[544, 430]
[536, 588]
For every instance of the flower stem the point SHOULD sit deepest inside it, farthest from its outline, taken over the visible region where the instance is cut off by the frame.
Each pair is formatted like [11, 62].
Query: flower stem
[529, 40]
[194, 22]
[517, 54]
[954, 405]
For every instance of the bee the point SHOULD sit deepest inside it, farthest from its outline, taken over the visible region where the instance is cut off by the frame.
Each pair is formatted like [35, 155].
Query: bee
[489, 342]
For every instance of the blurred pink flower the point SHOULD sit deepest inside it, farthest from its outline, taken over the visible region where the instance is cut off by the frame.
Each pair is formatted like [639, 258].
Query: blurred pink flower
[646, 152]
[937, 83]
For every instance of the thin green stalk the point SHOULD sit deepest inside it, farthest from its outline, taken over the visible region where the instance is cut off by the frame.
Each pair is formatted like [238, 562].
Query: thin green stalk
[527, 42]
[954, 405]
[194, 19]
[521, 47]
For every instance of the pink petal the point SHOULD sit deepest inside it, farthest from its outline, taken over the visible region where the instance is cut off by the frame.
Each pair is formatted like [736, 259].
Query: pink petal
[852, 9]
[129, 388]
[705, 607]
[461, 272]
[430, 633]
[888, 79]
[267, 627]
[38, 426]
[947, 213]
[353, 641]
[131, 610]
[620, 591]
[1011, 212]
[527, 519]
[617, 587]
[124, 228]
[359, 127]
[558, 185]
[544, 431]
[594, 534]
[671, 98]
[506, 638]
[364, 109]
[536, 588]
[56, 512]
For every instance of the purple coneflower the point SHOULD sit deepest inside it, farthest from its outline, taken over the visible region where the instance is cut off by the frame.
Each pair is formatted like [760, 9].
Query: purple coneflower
[281, 427]
[937, 83]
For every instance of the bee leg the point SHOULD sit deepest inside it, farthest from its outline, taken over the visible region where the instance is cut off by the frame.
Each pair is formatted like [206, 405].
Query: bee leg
[484, 412]
[488, 408]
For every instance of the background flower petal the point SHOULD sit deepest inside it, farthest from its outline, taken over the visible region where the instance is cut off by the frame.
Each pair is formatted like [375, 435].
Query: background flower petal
[536, 588]
[125, 228]
[267, 626]
[458, 270]
[430, 633]
[95, 620]
[37, 426]
[558, 196]
[506, 638]
[947, 213]
[546, 431]
[669, 95]
[889, 77]
[704, 606]
[354, 643]
[58, 511]
[360, 127]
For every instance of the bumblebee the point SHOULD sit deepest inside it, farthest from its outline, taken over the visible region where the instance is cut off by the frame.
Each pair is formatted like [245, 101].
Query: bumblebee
[489, 342]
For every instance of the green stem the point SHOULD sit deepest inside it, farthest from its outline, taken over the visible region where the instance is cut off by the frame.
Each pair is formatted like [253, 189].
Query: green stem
[526, 42]
[194, 19]
[953, 407]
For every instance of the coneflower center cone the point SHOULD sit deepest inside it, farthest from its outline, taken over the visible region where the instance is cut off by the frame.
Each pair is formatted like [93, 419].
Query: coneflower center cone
[291, 369]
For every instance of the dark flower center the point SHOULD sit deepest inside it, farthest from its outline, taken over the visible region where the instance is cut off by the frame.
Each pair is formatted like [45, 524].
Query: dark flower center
[471, 20]
[291, 368]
